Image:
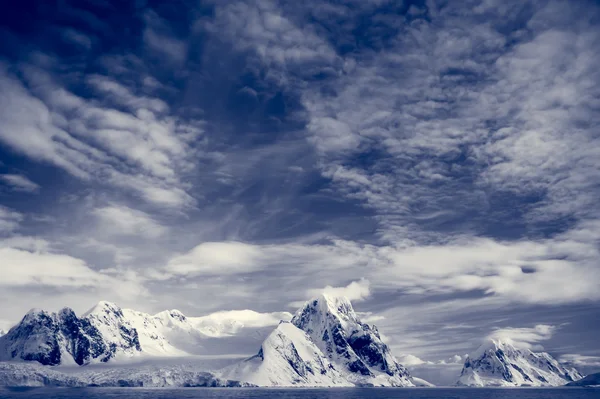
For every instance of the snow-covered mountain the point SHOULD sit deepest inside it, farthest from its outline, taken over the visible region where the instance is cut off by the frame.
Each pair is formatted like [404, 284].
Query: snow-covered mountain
[325, 344]
[287, 357]
[63, 338]
[500, 363]
[107, 332]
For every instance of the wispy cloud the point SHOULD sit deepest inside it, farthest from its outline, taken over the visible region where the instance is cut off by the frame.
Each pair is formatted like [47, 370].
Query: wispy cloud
[9, 219]
[20, 183]
[122, 220]
[98, 142]
[525, 336]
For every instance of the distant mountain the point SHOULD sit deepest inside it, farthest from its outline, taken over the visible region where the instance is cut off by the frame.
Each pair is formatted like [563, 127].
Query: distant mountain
[324, 345]
[107, 332]
[500, 363]
[592, 380]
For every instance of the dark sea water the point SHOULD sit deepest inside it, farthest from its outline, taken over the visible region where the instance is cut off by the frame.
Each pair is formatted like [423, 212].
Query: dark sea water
[337, 393]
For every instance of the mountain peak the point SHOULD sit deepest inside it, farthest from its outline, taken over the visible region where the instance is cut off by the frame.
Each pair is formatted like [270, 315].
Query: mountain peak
[104, 307]
[498, 362]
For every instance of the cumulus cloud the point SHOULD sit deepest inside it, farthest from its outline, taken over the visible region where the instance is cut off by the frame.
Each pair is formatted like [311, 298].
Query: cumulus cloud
[20, 183]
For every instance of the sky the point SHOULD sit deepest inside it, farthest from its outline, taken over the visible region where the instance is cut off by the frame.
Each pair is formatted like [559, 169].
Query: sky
[438, 162]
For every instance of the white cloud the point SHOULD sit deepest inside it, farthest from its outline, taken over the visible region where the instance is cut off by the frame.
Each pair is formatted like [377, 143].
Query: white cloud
[20, 183]
[356, 291]
[231, 322]
[261, 27]
[216, 258]
[143, 150]
[580, 360]
[26, 268]
[525, 271]
[122, 220]
[525, 337]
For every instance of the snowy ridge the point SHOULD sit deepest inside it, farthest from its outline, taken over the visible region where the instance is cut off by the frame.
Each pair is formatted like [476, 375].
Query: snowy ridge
[107, 333]
[103, 333]
[324, 345]
[499, 363]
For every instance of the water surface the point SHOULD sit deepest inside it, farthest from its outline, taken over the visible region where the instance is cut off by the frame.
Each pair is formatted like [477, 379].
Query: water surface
[302, 393]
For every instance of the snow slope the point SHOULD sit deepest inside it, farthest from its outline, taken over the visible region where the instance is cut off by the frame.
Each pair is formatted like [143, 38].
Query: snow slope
[499, 363]
[287, 357]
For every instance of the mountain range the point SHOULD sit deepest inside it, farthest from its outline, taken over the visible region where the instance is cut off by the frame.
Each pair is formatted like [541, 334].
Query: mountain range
[323, 344]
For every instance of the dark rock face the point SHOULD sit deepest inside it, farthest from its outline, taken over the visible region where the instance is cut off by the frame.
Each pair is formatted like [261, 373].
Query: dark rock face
[44, 337]
[344, 336]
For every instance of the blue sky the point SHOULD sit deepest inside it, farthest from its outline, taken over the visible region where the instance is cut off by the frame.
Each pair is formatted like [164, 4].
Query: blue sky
[435, 161]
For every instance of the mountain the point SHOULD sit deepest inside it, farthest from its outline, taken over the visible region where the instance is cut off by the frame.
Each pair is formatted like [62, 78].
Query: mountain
[63, 338]
[324, 344]
[103, 333]
[107, 332]
[592, 380]
[500, 363]
[287, 357]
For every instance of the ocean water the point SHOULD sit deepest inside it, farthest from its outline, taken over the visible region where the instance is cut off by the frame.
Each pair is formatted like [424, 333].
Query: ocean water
[336, 393]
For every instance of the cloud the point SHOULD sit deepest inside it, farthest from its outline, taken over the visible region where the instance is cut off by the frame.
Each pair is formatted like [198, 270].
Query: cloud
[262, 28]
[449, 119]
[580, 360]
[122, 220]
[94, 142]
[20, 183]
[158, 38]
[231, 322]
[217, 259]
[356, 291]
[524, 271]
[79, 39]
[29, 268]
[525, 337]
[9, 219]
